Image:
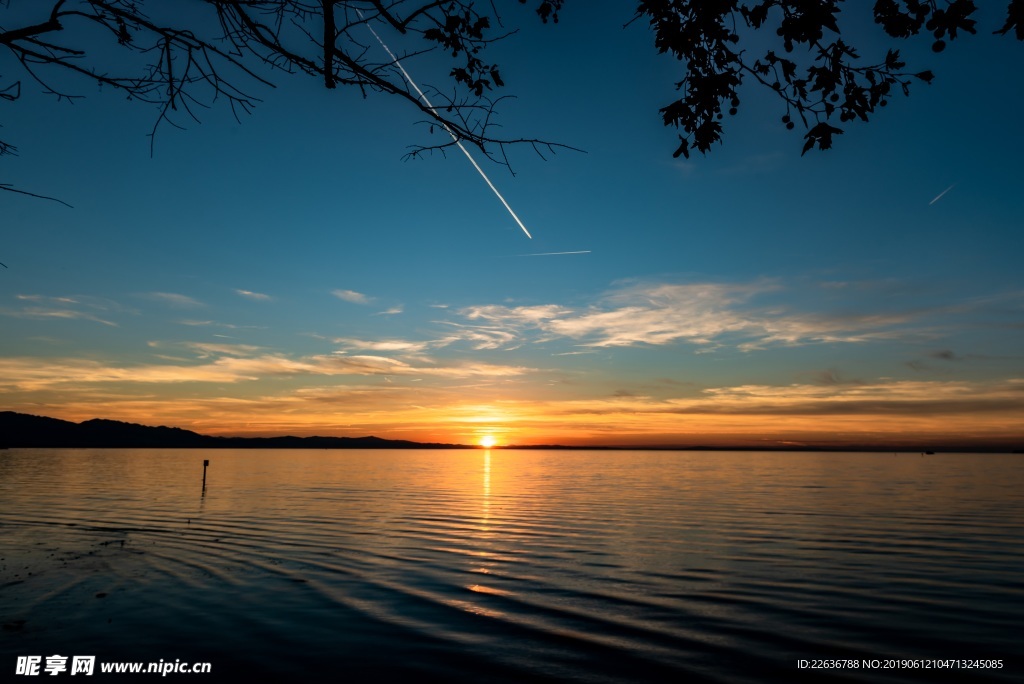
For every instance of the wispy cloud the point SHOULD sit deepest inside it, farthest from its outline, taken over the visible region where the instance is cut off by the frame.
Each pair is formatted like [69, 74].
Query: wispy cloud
[209, 349]
[229, 363]
[536, 254]
[382, 365]
[904, 397]
[43, 313]
[352, 296]
[74, 307]
[831, 377]
[255, 296]
[215, 324]
[478, 336]
[406, 346]
[520, 314]
[47, 300]
[392, 311]
[661, 314]
[709, 316]
[175, 300]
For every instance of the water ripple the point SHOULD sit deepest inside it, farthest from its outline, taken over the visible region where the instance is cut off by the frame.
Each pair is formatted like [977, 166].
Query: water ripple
[506, 566]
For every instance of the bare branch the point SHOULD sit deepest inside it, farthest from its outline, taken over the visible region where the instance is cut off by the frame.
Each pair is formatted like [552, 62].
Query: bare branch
[7, 187]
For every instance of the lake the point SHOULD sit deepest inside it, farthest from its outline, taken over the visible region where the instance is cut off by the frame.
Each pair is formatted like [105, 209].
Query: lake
[513, 566]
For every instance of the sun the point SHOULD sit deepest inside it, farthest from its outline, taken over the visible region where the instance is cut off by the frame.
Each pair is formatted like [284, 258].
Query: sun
[487, 441]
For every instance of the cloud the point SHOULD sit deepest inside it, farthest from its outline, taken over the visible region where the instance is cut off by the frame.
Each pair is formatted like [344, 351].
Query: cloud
[215, 324]
[383, 345]
[207, 349]
[255, 296]
[920, 401]
[903, 397]
[226, 363]
[49, 300]
[832, 377]
[172, 299]
[704, 314]
[352, 296]
[521, 314]
[651, 315]
[392, 311]
[42, 313]
[479, 337]
[453, 409]
[949, 356]
[382, 365]
[87, 301]
[74, 307]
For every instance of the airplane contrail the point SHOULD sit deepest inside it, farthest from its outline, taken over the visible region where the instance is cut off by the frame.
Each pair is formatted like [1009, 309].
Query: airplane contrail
[446, 128]
[582, 251]
[939, 196]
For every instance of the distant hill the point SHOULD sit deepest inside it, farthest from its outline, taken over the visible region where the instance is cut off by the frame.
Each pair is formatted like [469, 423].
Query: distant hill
[23, 430]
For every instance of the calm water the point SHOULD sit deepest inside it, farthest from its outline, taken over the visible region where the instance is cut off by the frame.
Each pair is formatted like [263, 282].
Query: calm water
[469, 566]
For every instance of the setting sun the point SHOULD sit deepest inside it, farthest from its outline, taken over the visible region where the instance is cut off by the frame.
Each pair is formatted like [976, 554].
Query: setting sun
[487, 441]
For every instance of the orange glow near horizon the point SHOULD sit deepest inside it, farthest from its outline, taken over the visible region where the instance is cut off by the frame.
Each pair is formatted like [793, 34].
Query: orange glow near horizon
[620, 422]
[886, 413]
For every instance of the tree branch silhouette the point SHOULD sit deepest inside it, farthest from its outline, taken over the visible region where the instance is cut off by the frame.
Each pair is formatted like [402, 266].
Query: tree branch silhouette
[182, 66]
[222, 51]
[826, 83]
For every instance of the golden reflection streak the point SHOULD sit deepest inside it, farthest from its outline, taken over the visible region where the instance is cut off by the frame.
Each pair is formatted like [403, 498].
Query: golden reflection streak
[487, 490]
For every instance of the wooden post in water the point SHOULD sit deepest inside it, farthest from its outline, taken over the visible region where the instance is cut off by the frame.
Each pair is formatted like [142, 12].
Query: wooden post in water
[206, 462]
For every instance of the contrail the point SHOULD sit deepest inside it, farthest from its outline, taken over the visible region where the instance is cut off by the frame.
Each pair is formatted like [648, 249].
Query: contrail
[454, 137]
[583, 251]
[939, 196]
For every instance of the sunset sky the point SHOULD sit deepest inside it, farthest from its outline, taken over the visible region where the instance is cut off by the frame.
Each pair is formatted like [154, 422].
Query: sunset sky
[291, 274]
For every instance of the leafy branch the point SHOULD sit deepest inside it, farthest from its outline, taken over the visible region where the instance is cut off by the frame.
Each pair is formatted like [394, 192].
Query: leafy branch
[828, 84]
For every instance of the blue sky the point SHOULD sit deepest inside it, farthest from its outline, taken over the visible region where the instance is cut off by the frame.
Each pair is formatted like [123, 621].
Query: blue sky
[291, 273]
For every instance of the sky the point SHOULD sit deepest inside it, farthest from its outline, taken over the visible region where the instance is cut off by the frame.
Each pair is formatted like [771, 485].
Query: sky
[291, 273]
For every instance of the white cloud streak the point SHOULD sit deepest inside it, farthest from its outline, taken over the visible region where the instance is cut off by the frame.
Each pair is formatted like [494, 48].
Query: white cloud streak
[227, 364]
[255, 296]
[662, 314]
[175, 300]
[74, 307]
[352, 296]
[582, 251]
[42, 313]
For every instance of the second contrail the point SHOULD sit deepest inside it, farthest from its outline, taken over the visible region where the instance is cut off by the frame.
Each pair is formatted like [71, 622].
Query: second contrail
[939, 196]
[443, 125]
[582, 251]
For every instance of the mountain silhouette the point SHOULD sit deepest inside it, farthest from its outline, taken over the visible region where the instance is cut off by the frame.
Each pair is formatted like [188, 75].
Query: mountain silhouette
[24, 430]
